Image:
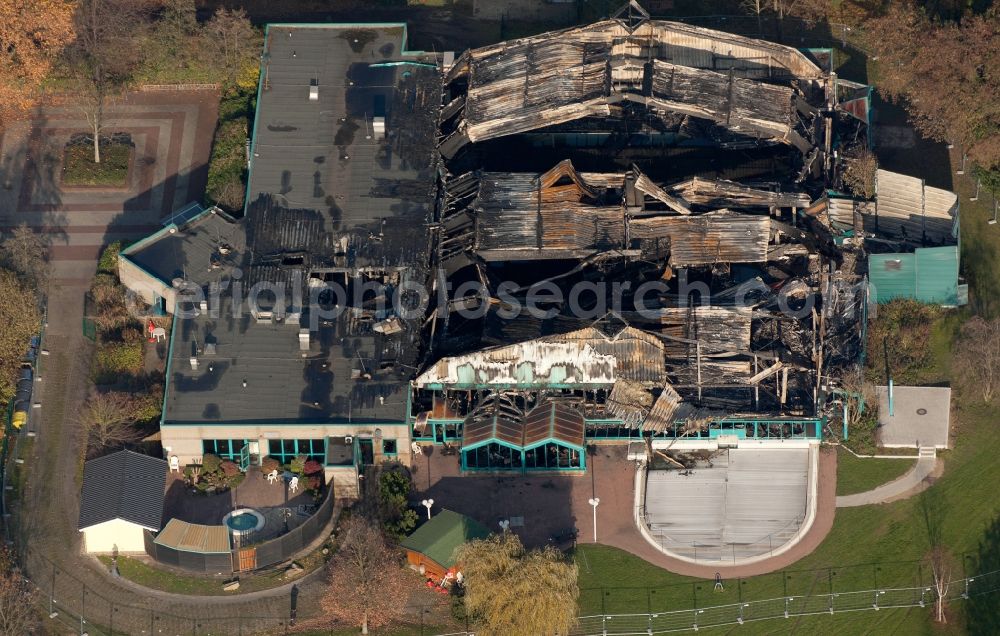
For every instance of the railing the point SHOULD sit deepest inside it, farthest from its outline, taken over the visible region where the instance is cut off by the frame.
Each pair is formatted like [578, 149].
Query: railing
[781, 607]
[179, 87]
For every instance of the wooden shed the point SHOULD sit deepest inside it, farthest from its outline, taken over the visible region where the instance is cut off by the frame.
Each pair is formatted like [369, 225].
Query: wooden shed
[433, 544]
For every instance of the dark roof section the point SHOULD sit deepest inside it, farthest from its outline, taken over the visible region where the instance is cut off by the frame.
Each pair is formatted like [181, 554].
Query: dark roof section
[324, 181]
[123, 485]
[331, 198]
[442, 534]
[348, 372]
[201, 250]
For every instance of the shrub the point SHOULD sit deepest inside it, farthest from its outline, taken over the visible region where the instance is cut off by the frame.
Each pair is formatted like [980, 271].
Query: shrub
[229, 469]
[314, 482]
[312, 467]
[115, 359]
[210, 463]
[297, 465]
[902, 330]
[235, 480]
[108, 263]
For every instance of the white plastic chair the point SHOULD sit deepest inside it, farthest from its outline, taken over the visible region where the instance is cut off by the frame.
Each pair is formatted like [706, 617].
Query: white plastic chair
[293, 485]
[175, 464]
[272, 476]
[160, 334]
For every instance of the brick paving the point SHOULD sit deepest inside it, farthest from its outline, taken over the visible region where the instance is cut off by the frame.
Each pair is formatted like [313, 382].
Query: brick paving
[551, 504]
[172, 134]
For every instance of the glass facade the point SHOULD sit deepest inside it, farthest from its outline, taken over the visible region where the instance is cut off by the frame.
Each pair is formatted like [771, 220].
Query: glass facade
[552, 456]
[224, 448]
[492, 456]
[285, 450]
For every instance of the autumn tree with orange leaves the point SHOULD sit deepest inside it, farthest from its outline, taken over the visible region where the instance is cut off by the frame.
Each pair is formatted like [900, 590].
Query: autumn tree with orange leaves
[33, 34]
[368, 584]
[949, 73]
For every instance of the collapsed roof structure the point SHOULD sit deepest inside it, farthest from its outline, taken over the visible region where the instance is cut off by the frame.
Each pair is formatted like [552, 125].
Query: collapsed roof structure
[633, 224]
[636, 152]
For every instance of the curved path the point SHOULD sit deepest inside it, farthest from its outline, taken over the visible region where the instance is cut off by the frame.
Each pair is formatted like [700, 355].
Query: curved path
[909, 483]
[45, 522]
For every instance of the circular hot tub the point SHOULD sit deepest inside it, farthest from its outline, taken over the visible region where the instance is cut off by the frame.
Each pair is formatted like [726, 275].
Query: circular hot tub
[243, 521]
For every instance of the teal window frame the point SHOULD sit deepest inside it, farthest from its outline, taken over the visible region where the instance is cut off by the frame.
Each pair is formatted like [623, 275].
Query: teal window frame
[228, 449]
[285, 450]
[395, 447]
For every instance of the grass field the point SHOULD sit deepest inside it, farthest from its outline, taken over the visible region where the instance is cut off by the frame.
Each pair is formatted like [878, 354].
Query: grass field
[79, 168]
[161, 579]
[856, 474]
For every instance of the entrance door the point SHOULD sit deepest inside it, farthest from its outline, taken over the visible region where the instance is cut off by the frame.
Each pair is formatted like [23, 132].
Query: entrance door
[367, 451]
[245, 457]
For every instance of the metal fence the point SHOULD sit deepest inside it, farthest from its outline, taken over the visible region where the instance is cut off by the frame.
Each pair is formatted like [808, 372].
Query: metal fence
[265, 554]
[781, 607]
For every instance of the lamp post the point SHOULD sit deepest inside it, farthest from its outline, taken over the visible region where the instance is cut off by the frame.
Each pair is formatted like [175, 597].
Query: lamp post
[594, 502]
[427, 504]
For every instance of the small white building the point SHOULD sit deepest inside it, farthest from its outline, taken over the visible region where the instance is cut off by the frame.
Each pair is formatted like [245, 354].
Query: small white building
[122, 496]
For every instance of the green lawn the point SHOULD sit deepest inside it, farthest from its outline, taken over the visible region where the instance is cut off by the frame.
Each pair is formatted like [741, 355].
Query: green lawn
[169, 581]
[856, 475]
[79, 168]
[866, 542]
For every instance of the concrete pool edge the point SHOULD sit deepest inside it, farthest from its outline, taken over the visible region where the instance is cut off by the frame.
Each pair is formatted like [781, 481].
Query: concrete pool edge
[812, 496]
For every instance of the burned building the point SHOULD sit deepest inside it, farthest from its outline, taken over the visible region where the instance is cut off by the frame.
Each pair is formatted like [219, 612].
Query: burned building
[624, 230]
[652, 178]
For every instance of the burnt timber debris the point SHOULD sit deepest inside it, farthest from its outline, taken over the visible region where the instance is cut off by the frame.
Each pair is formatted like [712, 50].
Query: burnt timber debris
[633, 151]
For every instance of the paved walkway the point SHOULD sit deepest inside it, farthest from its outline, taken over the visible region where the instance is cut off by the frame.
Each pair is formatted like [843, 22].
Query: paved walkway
[910, 483]
[171, 132]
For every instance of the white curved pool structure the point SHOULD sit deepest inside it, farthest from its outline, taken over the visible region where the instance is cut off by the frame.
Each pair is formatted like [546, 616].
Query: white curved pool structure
[751, 505]
[243, 522]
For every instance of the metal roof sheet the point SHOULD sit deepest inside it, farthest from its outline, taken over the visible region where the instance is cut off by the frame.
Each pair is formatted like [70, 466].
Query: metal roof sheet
[123, 485]
[193, 537]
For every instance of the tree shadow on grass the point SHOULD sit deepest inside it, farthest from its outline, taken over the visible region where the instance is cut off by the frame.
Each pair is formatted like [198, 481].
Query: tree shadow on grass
[982, 610]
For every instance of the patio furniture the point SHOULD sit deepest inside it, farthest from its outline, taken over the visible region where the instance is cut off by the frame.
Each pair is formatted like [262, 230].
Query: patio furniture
[175, 464]
[293, 485]
[160, 334]
[272, 476]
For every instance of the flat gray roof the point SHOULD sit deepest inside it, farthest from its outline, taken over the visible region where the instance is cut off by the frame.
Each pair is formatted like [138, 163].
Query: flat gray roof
[374, 195]
[328, 196]
[921, 416]
[348, 374]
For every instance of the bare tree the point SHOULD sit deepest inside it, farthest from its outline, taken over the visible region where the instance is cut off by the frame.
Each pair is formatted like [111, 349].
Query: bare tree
[976, 358]
[235, 43]
[942, 571]
[18, 614]
[108, 420]
[941, 560]
[368, 586]
[515, 592]
[25, 252]
[104, 55]
[755, 7]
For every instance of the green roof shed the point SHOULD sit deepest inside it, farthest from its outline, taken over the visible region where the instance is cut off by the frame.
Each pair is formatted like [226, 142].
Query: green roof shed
[439, 536]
